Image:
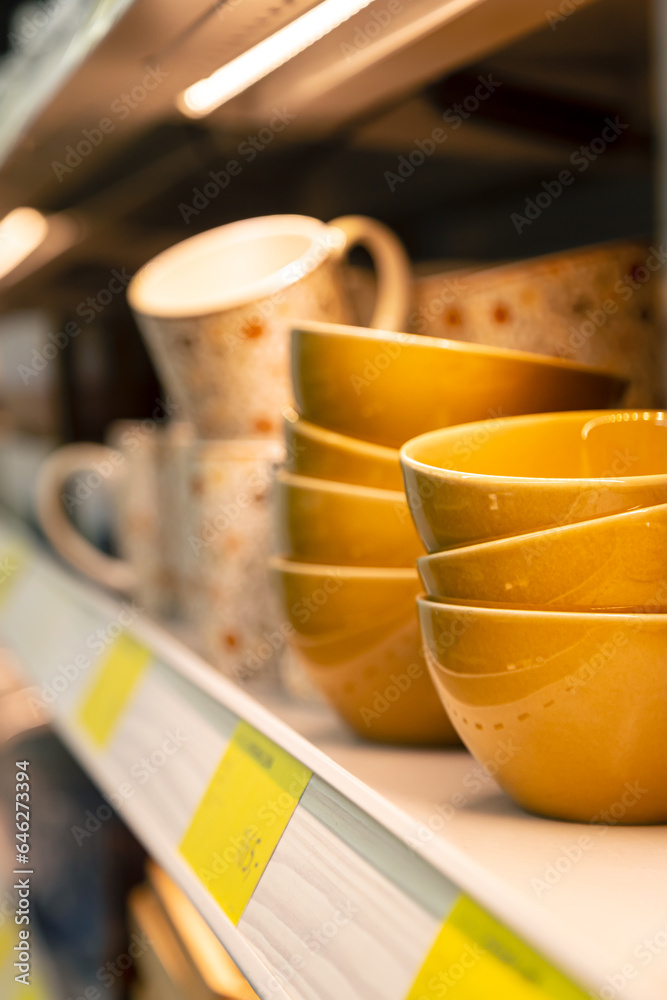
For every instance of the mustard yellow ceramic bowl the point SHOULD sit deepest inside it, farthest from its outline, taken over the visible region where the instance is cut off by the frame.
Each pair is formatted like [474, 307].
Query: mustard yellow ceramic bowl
[612, 563]
[389, 387]
[355, 630]
[511, 476]
[315, 451]
[567, 710]
[318, 521]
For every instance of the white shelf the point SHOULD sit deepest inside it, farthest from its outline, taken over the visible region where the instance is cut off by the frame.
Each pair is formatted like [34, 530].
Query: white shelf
[372, 849]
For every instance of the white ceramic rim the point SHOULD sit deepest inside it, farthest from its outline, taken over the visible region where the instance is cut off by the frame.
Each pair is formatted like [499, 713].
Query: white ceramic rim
[322, 237]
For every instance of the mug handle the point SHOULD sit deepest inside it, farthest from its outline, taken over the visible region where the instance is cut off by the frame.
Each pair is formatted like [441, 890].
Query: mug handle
[394, 279]
[65, 538]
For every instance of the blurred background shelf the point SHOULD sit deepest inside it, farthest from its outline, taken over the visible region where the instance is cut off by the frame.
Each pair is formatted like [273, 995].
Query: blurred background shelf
[382, 842]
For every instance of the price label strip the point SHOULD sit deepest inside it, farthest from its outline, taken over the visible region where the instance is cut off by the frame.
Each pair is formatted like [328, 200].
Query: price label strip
[117, 676]
[475, 957]
[10, 989]
[12, 562]
[242, 816]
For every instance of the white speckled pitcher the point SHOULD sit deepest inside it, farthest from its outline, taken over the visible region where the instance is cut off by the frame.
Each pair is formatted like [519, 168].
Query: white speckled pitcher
[216, 310]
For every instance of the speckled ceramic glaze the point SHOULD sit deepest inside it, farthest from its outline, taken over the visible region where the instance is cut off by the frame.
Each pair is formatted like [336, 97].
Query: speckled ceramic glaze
[148, 511]
[597, 305]
[570, 710]
[229, 370]
[511, 476]
[134, 468]
[611, 563]
[355, 631]
[314, 451]
[216, 311]
[388, 387]
[319, 521]
[226, 544]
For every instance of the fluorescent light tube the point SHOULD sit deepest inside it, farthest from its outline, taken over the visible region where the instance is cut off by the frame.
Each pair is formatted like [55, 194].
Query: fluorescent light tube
[21, 232]
[254, 64]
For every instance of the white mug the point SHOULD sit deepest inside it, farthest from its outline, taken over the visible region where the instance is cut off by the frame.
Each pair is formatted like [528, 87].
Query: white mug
[216, 310]
[225, 539]
[136, 466]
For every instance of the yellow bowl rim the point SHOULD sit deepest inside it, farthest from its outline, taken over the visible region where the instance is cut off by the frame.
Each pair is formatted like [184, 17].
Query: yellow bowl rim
[343, 441]
[420, 340]
[295, 480]
[598, 617]
[281, 564]
[510, 541]
[439, 472]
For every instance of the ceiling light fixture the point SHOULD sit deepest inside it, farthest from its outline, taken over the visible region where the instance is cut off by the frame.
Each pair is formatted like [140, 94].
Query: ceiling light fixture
[21, 232]
[254, 64]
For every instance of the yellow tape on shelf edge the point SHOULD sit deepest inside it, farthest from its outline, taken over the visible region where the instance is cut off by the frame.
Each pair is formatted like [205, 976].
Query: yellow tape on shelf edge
[10, 989]
[242, 816]
[475, 957]
[116, 679]
[12, 562]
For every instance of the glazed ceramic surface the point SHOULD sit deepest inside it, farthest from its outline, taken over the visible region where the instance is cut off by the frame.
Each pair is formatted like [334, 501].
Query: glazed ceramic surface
[226, 543]
[511, 476]
[389, 387]
[215, 311]
[570, 708]
[597, 305]
[613, 563]
[319, 521]
[314, 451]
[134, 467]
[356, 633]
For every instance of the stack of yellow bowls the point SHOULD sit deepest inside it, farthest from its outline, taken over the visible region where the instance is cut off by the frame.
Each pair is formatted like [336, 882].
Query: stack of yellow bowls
[345, 572]
[545, 625]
